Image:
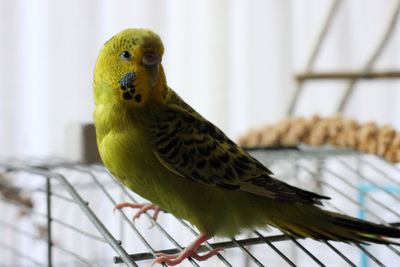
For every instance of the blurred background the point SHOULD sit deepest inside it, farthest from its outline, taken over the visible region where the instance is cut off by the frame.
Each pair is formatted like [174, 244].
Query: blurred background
[233, 61]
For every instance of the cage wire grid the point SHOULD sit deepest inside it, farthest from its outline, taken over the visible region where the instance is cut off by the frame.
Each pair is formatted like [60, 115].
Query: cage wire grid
[363, 186]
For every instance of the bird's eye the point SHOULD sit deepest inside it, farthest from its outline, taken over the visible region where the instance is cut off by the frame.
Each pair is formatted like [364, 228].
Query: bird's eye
[126, 55]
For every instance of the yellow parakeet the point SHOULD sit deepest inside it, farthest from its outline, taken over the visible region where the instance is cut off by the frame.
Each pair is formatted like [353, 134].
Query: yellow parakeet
[162, 149]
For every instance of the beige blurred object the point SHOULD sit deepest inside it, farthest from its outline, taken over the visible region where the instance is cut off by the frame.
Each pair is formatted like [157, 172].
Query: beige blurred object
[336, 130]
[319, 133]
[253, 138]
[81, 144]
[314, 121]
[350, 130]
[299, 128]
[269, 136]
[347, 136]
[393, 152]
[385, 137]
[368, 138]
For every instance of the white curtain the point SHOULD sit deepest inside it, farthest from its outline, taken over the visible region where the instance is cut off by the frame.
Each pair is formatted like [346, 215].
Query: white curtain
[232, 60]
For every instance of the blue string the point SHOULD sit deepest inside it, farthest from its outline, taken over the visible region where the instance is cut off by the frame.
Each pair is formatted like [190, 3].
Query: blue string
[366, 187]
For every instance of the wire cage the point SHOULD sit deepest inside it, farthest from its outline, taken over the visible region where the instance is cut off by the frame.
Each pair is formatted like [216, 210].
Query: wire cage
[63, 215]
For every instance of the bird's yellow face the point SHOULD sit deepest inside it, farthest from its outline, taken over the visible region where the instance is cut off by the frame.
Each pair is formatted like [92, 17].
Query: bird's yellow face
[129, 69]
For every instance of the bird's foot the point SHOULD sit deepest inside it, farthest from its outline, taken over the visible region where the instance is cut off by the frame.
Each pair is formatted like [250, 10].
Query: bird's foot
[190, 251]
[143, 208]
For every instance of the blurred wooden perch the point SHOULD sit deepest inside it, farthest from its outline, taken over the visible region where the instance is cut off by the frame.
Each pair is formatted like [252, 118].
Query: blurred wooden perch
[347, 75]
[366, 70]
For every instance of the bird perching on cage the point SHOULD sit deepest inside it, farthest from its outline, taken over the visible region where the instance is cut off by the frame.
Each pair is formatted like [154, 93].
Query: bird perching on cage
[162, 149]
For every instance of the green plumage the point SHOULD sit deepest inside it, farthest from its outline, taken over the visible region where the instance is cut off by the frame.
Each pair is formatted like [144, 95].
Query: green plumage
[162, 149]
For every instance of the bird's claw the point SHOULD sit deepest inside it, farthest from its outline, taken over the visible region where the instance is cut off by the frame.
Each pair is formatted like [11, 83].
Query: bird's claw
[142, 209]
[177, 258]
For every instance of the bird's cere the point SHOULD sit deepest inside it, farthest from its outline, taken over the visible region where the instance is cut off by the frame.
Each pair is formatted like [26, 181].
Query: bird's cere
[150, 58]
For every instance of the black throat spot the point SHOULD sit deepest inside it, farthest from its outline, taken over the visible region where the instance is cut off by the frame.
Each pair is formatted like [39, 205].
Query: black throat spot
[127, 96]
[138, 98]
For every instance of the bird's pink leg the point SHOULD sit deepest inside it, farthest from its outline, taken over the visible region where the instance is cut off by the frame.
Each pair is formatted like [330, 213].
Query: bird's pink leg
[189, 251]
[143, 208]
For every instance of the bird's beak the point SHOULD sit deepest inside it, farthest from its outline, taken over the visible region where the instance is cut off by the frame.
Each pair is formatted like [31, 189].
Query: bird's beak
[152, 62]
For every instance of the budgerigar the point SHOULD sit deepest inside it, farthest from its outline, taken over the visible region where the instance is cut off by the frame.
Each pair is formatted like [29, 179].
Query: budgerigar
[162, 149]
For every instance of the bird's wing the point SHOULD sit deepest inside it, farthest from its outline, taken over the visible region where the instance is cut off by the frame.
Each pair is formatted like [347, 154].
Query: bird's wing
[195, 149]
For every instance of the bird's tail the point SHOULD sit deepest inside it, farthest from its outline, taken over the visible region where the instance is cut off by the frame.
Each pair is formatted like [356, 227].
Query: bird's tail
[337, 227]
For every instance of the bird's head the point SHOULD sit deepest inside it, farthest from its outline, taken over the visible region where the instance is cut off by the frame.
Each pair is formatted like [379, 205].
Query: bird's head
[129, 69]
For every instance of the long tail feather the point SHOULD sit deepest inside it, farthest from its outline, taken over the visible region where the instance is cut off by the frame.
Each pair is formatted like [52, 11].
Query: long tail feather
[337, 227]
